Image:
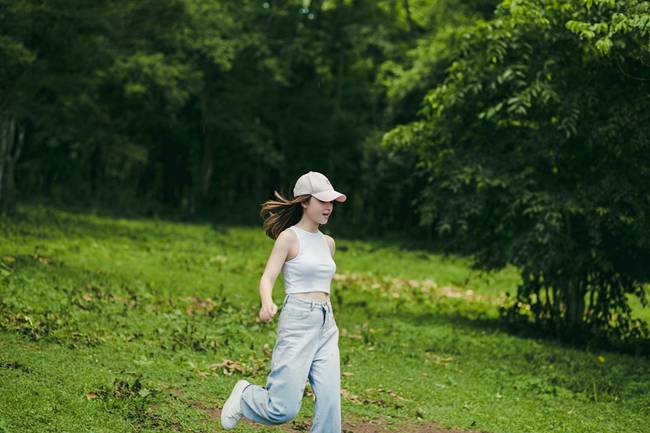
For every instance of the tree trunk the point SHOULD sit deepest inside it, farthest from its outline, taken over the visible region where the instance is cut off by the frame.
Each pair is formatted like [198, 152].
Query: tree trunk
[206, 165]
[575, 304]
[340, 68]
[11, 143]
[339, 78]
[4, 146]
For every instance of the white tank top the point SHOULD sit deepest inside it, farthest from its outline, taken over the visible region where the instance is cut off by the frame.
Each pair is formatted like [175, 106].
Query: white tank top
[313, 267]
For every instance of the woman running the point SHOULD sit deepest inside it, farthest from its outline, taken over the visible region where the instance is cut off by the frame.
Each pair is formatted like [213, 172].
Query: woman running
[307, 337]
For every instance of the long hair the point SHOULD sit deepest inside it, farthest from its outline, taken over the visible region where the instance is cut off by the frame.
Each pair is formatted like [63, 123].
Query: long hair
[279, 214]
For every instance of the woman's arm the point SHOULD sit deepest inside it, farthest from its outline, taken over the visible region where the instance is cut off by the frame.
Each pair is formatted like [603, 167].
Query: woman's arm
[271, 271]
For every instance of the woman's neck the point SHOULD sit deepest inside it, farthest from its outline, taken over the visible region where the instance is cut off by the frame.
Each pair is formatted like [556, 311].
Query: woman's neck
[309, 226]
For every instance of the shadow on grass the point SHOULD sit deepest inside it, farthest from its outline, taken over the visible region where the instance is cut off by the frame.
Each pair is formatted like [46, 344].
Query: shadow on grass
[75, 221]
[47, 212]
[481, 322]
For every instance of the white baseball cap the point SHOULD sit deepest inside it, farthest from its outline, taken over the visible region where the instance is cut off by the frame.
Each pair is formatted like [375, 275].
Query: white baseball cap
[318, 185]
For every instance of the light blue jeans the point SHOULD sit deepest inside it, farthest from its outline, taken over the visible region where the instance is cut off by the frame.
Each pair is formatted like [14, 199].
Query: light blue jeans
[306, 347]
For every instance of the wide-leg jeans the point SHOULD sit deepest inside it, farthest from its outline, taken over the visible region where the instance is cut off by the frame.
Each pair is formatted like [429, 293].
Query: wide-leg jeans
[306, 347]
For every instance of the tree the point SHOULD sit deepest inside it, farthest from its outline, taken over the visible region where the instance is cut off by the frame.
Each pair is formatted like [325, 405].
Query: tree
[534, 151]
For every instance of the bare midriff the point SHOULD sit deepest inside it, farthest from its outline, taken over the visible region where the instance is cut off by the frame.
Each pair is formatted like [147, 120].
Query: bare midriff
[320, 296]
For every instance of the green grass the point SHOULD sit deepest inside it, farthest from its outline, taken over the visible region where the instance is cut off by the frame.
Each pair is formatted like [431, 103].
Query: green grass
[123, 325]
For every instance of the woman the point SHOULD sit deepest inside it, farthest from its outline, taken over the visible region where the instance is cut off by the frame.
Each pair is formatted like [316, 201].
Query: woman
[307, 338]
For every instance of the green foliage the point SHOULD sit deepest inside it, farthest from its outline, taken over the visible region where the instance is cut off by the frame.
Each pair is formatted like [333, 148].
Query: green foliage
[535, 152]
[163, 106]
[623, 26]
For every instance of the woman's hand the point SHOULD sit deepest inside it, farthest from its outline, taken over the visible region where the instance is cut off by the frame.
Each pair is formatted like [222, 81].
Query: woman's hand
[267, 311]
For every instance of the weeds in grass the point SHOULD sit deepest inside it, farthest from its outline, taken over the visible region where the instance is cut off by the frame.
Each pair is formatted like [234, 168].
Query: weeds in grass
[188, 336]
[54, 326]
[134, 401]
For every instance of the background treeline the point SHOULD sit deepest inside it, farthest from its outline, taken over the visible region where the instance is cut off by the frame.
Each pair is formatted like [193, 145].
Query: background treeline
[197, 106]
[514, 132]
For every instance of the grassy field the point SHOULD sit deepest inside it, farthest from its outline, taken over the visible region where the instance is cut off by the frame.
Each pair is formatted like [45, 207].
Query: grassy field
[144, 325]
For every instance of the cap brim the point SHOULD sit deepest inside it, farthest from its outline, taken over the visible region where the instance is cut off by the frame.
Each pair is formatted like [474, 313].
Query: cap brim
[330, 195]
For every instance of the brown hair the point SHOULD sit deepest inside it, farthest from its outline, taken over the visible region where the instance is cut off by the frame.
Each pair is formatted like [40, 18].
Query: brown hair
[279, 214]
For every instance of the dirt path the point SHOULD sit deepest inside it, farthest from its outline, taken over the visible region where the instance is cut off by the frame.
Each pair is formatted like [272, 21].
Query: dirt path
[376, 425]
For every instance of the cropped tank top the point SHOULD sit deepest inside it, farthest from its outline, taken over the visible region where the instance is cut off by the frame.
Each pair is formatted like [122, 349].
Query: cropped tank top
[313, 267]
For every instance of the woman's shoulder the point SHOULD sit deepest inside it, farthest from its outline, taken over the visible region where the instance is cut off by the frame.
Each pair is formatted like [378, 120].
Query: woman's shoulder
[289, 229]
[287, 235]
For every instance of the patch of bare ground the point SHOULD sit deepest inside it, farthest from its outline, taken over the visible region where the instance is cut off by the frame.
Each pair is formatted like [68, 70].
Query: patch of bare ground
[411, 289]
[350, 424]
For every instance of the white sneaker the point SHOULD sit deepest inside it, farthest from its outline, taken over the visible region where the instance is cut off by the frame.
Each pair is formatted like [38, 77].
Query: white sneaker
[231, 412]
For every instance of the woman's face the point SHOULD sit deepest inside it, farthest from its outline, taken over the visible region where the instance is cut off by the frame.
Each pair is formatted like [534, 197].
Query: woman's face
[319, 211]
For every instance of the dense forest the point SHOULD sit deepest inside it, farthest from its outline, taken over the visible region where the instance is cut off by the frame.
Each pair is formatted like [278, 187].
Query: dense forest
[512, 132]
